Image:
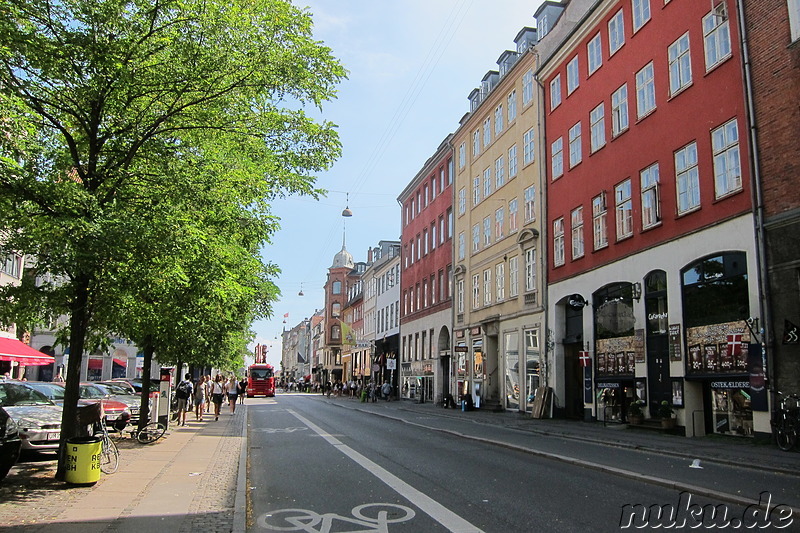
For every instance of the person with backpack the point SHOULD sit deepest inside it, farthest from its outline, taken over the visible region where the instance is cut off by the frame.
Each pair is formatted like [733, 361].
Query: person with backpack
[183, 392]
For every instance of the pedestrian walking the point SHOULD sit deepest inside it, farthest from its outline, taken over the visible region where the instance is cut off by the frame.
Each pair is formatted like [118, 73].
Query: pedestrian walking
[242, 390]
[199, 398]
[183, 393]
[386, 390]
[217, 392]
[233, 393]
[207, 390]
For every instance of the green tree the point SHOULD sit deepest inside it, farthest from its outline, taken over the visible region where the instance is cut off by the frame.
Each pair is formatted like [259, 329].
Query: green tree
[112, 104]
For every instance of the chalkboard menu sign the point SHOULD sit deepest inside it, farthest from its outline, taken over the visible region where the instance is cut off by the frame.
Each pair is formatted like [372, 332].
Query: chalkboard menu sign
[675, 342]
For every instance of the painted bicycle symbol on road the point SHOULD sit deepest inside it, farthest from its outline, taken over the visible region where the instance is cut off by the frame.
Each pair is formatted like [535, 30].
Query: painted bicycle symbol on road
[368, 518]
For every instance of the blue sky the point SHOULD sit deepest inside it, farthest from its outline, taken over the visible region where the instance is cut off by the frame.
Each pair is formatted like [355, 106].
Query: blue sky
[411, 65]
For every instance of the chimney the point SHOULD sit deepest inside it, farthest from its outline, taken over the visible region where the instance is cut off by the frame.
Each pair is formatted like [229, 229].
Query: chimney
[369, 255]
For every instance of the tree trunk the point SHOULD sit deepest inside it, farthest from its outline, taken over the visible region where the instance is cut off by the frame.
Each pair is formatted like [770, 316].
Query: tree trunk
[78, 324]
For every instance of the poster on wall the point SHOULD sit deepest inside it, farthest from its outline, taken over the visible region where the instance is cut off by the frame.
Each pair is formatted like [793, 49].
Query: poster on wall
[710, 357]
[618, 353]
[601, 363]
[675, 342]
[718, 348]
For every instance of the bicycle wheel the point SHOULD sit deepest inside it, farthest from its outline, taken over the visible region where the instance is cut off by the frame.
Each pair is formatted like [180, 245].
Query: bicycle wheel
[109, 456]
[151, 433]
[784, 435]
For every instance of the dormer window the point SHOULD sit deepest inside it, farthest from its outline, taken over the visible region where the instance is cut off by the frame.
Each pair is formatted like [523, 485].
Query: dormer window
[543, 26]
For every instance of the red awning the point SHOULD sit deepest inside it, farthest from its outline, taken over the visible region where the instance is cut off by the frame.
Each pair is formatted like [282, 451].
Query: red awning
[120, 362]
[14, 350]
[95, 363]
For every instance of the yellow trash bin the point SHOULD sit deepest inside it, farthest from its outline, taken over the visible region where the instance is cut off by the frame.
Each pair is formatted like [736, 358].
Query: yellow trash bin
[83, 460]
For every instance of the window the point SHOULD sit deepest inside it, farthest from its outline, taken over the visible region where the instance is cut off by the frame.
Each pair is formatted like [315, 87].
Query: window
[527, 87]
[337, 287]
[433, 186]
[599, 229]
[794, 18]
[641, 13]
[499, 222]
[460, 296]
[594, 51]
[476, 291]
[11, 264]
[487, 231]
[716, 36]
[487, 287]
[651, 204]
[727, 168]
[462, 201]
[645, 91]
[575, 155]
[450, 173]
[530, 269]
[624, 208]
[487, 182]
[680, 66]
[513, 276]
[558, 241]
[530, 204]
[616, 33]
[619, 110]
[512, 106]
[419, 246]
[577, 232]
[487, 132]
[528, 147]
[476, 143]
[498, 120]
[555, 92]
[499, 172]
[557, 151]
[512, 161]
[450, 222]
[512, 215]
[476, 191]
[543, 25]
[462, 155]
[572, 75]
[425, 242]
[688, 178]
[476, 237]
[597, 117]
[433, 236]
[426, 195]
[461, 246]
[500, 281]
[336, 309]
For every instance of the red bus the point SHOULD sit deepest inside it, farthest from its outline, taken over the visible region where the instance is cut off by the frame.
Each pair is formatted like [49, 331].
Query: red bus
[260, 380]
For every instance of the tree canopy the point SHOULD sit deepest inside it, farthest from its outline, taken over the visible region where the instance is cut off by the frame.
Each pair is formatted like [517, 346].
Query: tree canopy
[140, 146]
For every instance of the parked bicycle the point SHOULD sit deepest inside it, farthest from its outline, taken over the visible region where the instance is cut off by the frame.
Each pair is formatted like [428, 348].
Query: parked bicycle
[786, 422]
[109, 453]
[151, 432]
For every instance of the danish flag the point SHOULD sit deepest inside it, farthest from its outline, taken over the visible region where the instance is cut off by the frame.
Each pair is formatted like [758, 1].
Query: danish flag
[735, 344]
[584, 358]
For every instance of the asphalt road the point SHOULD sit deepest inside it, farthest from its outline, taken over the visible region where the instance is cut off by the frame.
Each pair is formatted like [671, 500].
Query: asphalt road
[317, 467]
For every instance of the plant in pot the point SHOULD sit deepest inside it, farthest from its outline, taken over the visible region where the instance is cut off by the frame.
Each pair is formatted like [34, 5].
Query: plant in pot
[635, 413]
[665, 413]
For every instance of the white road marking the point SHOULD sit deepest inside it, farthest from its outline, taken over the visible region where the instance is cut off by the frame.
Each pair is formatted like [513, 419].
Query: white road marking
[428, 505]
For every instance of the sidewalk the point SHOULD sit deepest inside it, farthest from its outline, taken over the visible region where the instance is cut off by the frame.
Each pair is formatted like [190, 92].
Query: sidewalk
[185, 482]
[713, 448]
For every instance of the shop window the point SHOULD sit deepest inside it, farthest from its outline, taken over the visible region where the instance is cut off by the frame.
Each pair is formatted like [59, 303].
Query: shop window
[715, 290]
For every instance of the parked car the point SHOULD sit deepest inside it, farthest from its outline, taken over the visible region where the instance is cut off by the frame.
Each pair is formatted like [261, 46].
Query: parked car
[136, 383]
[122, 392]
[37, 418]
[10, 443]
[116, 412]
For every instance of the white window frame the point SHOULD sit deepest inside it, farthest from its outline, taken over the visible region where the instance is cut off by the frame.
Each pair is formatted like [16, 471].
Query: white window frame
[557, 157]
[462, 246]
[487, 231]
[499, 223]
[527, 87]
[727, 162]
[462, 201]
[530, 270]
[716, 36]
[575, 151]
[487, 286]
[594, 53]
[650, 196]
[476, 143]
[499, 172]
[576, 219]
[512, 106]
[619, 111]
[476, 238]
[623, 207]
[680, 64]
[616, 32]
[558, 241]
[641, 13]
[597, 118]
[476, 190]
[513, 213]
[487, 131]
[500, 281]
[528, 147]
[530, 204]
[599, 221]
[645, 91]
[462, 155]
[460, 296]
[512, 161]
[487, 182]
[687, 178]
[573, 76]
[498, 120]
[513, 276]
[476, 291]
[555, 92]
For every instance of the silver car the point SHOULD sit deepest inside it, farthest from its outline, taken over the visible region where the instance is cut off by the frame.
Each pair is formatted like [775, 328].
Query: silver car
[38, 418]
[122, 393]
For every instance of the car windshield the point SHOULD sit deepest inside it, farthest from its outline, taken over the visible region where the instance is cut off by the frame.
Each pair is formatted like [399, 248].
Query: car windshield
[13, 394]
[54, 392]
[91, 391]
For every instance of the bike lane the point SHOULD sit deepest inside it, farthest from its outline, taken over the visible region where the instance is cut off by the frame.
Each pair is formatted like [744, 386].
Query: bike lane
[303, 477]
